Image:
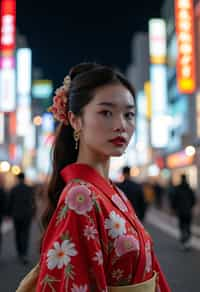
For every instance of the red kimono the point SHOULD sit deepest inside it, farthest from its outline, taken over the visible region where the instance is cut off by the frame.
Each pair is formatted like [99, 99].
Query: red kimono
[94, 239]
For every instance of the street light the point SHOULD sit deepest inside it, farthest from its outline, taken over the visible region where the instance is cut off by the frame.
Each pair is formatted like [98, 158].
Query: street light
[4, 166]
[190, 150]
[37, 120]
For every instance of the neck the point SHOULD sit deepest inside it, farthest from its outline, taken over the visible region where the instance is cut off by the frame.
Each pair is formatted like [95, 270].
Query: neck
[99, 163]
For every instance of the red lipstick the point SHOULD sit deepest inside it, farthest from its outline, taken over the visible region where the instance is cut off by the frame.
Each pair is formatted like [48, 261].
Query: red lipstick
[118, 141]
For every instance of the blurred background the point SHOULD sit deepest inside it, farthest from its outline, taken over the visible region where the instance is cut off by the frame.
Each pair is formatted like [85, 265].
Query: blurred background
[156, 44]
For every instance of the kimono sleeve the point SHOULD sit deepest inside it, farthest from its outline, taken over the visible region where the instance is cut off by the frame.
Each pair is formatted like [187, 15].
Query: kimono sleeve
[74, 260]
[162, 285]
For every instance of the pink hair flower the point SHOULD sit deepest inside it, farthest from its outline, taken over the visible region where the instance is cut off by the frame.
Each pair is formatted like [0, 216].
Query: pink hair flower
[59, 108]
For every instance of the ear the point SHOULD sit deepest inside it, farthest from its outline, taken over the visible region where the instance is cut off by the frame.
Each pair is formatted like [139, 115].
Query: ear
[75, 121]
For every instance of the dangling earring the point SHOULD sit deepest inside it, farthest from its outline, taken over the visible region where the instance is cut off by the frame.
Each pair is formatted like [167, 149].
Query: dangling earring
[76, 138]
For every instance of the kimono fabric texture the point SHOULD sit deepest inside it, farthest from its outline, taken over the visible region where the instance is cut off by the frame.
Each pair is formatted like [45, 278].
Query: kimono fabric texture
[94, 239]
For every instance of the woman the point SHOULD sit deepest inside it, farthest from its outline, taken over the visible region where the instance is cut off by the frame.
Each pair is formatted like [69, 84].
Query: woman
[93, 241]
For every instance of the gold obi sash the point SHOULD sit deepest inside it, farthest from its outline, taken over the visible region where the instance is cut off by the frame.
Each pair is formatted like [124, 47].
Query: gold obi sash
[146, 286]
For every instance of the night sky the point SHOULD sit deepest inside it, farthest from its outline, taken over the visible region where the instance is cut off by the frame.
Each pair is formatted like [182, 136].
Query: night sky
[64, 33]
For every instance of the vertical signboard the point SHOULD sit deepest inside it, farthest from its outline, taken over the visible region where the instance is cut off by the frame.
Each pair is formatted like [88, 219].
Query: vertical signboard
[7, 62]
[8, 27]
[184, 21]
[23, 60]
[158, 78]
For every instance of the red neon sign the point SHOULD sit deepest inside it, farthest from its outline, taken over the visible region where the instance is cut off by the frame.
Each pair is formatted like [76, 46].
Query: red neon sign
[8, 25]
[184, 19]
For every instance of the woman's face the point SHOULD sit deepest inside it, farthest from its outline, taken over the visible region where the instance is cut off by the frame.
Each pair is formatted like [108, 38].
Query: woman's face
[108, 121]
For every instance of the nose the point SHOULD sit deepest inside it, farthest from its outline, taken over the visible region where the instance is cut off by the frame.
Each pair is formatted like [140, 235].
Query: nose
[119, 125]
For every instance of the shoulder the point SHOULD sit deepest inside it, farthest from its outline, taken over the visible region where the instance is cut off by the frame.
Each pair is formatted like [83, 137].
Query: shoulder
[80, 196]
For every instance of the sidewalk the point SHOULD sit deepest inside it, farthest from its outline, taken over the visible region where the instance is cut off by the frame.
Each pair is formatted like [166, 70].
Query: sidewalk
[169, 224]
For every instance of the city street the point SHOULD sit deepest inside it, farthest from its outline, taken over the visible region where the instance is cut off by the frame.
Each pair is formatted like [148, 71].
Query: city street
[181, 268]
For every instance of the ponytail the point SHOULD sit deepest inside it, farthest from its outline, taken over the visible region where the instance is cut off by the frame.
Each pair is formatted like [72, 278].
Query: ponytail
[63, 153]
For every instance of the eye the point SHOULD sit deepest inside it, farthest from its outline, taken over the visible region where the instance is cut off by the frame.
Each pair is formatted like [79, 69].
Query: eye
[106, 113]
[130, 115]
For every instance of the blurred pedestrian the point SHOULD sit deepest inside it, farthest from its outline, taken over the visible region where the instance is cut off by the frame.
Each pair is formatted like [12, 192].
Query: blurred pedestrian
[183, 200]
[159, 192]
[149, 193]
[93, 239]
[21, 208]
[170, 195]
[3, 204]
[134, 193]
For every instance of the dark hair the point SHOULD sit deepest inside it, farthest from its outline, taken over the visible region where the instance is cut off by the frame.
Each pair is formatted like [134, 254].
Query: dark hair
[21, 176]
[183, 178]
[126, 170]
[85, 79]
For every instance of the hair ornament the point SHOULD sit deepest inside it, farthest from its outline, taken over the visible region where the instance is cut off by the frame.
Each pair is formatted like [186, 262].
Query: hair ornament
[60, 102]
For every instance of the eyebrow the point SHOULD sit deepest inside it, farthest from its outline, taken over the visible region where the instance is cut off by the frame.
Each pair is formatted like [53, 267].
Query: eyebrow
[110, 104]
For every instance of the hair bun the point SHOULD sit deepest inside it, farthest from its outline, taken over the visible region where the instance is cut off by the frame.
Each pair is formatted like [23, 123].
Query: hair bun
[82, 68]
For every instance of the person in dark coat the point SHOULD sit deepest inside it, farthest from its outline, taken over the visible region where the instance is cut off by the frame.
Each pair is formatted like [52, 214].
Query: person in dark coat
[2, 207]
[182, 200]
[21, 209]
[134, 193]
[159, 192]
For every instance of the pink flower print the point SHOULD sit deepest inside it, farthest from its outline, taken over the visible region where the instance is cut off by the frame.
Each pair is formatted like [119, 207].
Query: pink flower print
[79, 199]
[118, 201]
[126, 243]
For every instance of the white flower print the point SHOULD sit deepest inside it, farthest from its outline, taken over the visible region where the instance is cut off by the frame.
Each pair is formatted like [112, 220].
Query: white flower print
[60, 255]
[115, 224]
[120, 204]
[148, 256]
[117, 274]
[90, 232]
[98, 257]
[82, 288]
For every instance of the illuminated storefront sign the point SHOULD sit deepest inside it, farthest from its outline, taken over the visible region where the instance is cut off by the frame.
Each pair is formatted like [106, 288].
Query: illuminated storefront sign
[147, 90]
[158, 80]
[23, 119]
[7, 90]
[7, 62]
[157, 41]
[8, 19]
[42, 89]
[2, 125]
[159, 131]
[184, 19]
[159, 121]
[158, 76]
[179, 159]
[24, 71]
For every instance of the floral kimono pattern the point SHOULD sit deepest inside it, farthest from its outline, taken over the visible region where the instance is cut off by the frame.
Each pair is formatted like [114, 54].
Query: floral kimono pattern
[94, 239]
